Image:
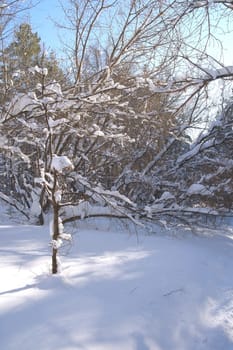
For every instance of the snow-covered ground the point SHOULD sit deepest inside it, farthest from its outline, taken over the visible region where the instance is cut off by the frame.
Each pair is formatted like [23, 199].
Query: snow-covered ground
[116, 290]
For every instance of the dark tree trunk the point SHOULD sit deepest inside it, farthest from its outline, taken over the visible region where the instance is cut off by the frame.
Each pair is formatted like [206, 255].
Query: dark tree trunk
[56, 231]
[54, 261]
[55, 237]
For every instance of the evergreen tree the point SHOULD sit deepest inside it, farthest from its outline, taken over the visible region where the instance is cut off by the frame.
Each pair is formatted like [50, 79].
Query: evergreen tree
[25, 52]
[49, 61]
[26, 47]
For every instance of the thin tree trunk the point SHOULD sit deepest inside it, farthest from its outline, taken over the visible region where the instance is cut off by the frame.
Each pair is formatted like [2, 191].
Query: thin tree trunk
[54, 261]
[55, 237]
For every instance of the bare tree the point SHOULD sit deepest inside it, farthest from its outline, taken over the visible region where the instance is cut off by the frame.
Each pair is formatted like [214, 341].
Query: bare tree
[171, 38]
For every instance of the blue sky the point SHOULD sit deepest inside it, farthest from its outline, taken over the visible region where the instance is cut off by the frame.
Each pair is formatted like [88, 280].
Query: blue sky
[39, 18]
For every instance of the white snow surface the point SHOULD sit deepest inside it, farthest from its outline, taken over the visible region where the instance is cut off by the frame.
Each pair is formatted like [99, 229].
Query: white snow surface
[116, 290]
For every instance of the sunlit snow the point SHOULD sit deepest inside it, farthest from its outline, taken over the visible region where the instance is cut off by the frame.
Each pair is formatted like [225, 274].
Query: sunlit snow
[118, 289]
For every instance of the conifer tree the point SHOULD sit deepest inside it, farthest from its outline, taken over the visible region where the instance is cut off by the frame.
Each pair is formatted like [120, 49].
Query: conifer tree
[26, 46]
[26, 52]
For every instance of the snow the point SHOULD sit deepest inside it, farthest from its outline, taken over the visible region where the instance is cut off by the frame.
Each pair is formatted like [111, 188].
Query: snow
[36, 69]
[66, 236]
[2, 6]
[198, 189]
[99, 133]
[53, 123]
[53, 88]
[22, 103]
[35, 208]
[218, 73]
[117, 289]
[56, 244]
[200, 145]
[61, 163]
[197, 4]
[85, 209]
[166, 196]
[58, 196]
[3, 141]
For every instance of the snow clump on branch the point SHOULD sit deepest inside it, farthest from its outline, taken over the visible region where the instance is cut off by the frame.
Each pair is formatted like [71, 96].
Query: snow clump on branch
[36, 69]
[23, 103]
[61, 163]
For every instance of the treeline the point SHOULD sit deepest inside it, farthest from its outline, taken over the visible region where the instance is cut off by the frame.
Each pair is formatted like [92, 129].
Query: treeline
[112, 127]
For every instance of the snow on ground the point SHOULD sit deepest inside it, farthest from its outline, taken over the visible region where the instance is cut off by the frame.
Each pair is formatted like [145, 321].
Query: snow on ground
[116, 291]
